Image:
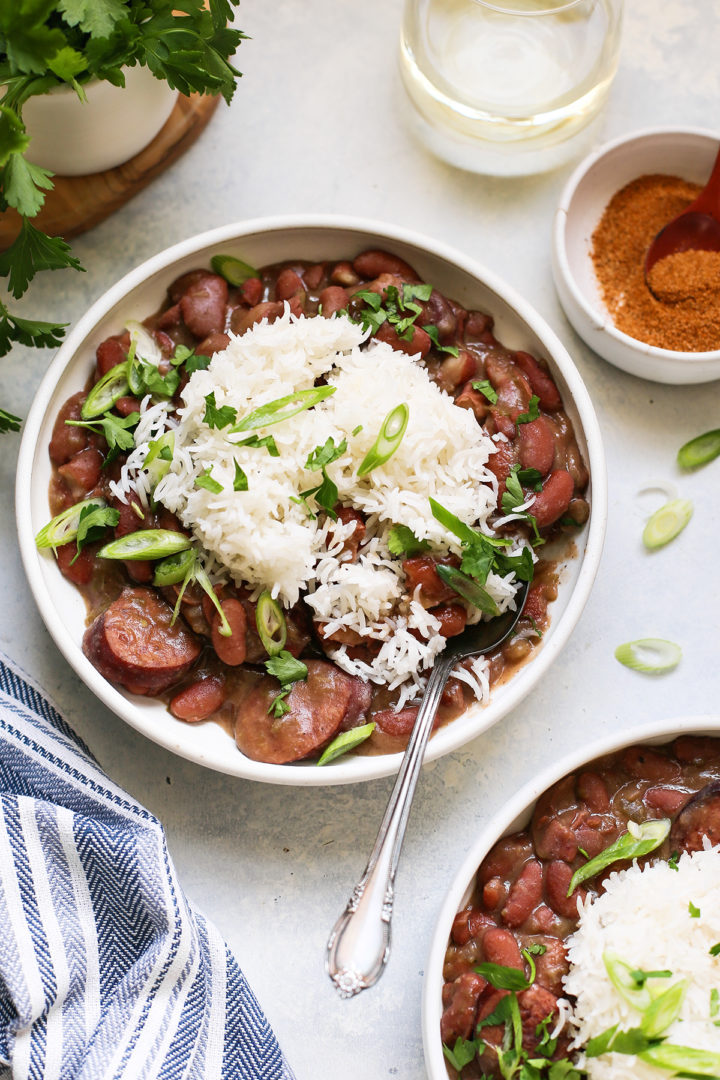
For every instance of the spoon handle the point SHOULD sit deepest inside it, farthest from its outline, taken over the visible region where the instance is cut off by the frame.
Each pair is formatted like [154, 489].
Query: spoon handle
[359, 945]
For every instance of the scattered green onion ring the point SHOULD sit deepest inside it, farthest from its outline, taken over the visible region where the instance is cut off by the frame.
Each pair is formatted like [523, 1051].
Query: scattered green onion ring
[346, 740]
[664, 1010]
[113, 385]
[391, 434]
[159, 458]
[274, 412]
[700, 450]
[666, 523]
[235, 271]
[173, 569]
[652, 656]
[683, 1060]
[145, 544]
[620, 975]
[271, 625]
[469, 589]
[639, 840]
[64, 527]
[206, 585]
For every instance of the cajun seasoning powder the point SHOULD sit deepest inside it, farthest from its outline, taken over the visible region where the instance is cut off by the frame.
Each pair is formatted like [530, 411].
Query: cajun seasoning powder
[687, 318]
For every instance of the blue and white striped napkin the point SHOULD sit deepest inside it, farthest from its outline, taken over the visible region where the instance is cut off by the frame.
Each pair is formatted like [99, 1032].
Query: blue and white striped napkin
[106, 969]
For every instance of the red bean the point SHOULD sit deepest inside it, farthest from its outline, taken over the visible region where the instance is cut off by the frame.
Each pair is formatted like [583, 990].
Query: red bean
[556, 841]
[313, 275]
[478, 327]
[109, 354]
[233, 649]
[502, 859]
[67, 441]
[370, 264]
[452, 618]
[452, 696]
[251, 291]
[333, 298]
[592, 789]
[456, 370]
[140, 570]
[468, 398]
[525, 894]
[181, 285]
[642, 763]
[513, 396]
[554, 499]
[558, 875]
[342, 274]
[501, 947]
[215, 342]
[203, 305]
[81, 570]
[241, 320]
[537, 446]
[696, 749]
[288, 284]
[460, 999]
[422, 570]
[541, 382]
[420, 342]
[126, 405]
[170, 318]
[668, 800]
[199, 700]
[494, 893]
[129, 520]
[536, 1004]
[552, 965]
[346, 514]
[82, 472]
[460, 932]
[438, 312]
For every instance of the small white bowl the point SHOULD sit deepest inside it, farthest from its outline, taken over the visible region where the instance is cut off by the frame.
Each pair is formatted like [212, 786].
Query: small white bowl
[513, 816]
[260, 242]
[689, 153]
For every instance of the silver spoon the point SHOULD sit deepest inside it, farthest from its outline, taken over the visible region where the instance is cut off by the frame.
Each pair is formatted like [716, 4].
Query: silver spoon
[359, 945]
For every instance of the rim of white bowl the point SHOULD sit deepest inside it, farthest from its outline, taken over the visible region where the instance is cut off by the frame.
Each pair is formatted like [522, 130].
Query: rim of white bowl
[599, 317]
[349, 769]
[657, 731]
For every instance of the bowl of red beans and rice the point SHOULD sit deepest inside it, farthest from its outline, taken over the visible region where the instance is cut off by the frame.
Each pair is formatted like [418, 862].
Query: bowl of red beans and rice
[301, 243]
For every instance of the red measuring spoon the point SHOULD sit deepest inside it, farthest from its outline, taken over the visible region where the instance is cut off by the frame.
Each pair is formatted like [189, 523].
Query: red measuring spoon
[696, 229]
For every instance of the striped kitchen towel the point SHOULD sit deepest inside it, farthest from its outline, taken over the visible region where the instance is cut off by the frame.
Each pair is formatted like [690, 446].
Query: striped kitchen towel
[106, 969]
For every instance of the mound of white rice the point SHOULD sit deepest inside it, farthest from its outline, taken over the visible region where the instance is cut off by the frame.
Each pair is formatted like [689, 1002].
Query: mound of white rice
[644, 917]
[266, 538]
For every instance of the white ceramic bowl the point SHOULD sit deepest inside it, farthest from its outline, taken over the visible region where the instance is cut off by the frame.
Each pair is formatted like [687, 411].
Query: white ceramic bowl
[514, 816]
[260, 242]
[689, 153]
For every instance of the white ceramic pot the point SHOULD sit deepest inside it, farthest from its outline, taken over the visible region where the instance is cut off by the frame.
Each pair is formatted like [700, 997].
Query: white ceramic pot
[71, 137]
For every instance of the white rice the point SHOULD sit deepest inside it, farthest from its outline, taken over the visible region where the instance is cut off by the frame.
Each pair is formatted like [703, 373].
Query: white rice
[644, 917]
[265, 538]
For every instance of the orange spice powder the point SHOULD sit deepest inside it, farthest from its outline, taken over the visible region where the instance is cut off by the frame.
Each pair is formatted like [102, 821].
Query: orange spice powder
[687, 318]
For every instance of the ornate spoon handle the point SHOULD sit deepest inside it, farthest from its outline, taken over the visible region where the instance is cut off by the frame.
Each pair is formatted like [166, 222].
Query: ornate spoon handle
[359, 945]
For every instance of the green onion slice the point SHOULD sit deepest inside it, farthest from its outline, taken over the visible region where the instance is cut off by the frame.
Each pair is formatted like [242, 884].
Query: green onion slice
[664, 1010]
[683, 1060]
[346, 740]
[469, 589]
[173, 569]
[271, 625]
[666, 523]
[700, 450]
[145, 544]
[235, 271]
[206, 585]
[391, 434]
[159, 457]
[620, 974]
[113, 385]
[64, 527]
[652, 656]
[637, 841]
[282, 408]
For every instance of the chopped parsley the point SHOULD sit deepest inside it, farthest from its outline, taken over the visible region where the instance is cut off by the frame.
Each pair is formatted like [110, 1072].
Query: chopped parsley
[715, 949]
[399, 308]
[287, 670]
[403, 541]
[694, 911]
[463, 1052]
[514, 496]
[532, 413]
[268, 443]
[116, 430]
[673, 861]
[486, 389]
[92, 523]
[218, 417]
[325, 454]
[432, 333]
[205, 480]
[240, 482]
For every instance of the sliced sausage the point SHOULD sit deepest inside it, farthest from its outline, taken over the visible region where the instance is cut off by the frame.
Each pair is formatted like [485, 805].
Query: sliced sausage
[134, 644]
[203, 305]
[318, 706]
[699, 820]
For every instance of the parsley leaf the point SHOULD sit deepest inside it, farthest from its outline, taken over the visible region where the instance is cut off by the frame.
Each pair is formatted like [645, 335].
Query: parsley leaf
[30, 252]
[432, 333]
[673, 861]
[268, 442]
[92, 523]
[240, 483]
[115, 430]
[286, 668]
[532, 413]
[403, 541]
[206, 481]
[95, 17]
[325, 495]
[196, 362]
[324, 455]
[41, 335]
[8, 422]
[463, 1052]
[531, 478]
[279, 705]
[24, 184]
[218, 417]
[487, 389]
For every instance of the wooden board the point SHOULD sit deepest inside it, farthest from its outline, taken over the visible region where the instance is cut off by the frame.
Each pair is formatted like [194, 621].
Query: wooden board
[77, 203]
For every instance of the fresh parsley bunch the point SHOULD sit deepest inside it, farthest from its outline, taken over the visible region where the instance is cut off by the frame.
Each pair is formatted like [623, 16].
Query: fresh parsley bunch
[48, 43]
